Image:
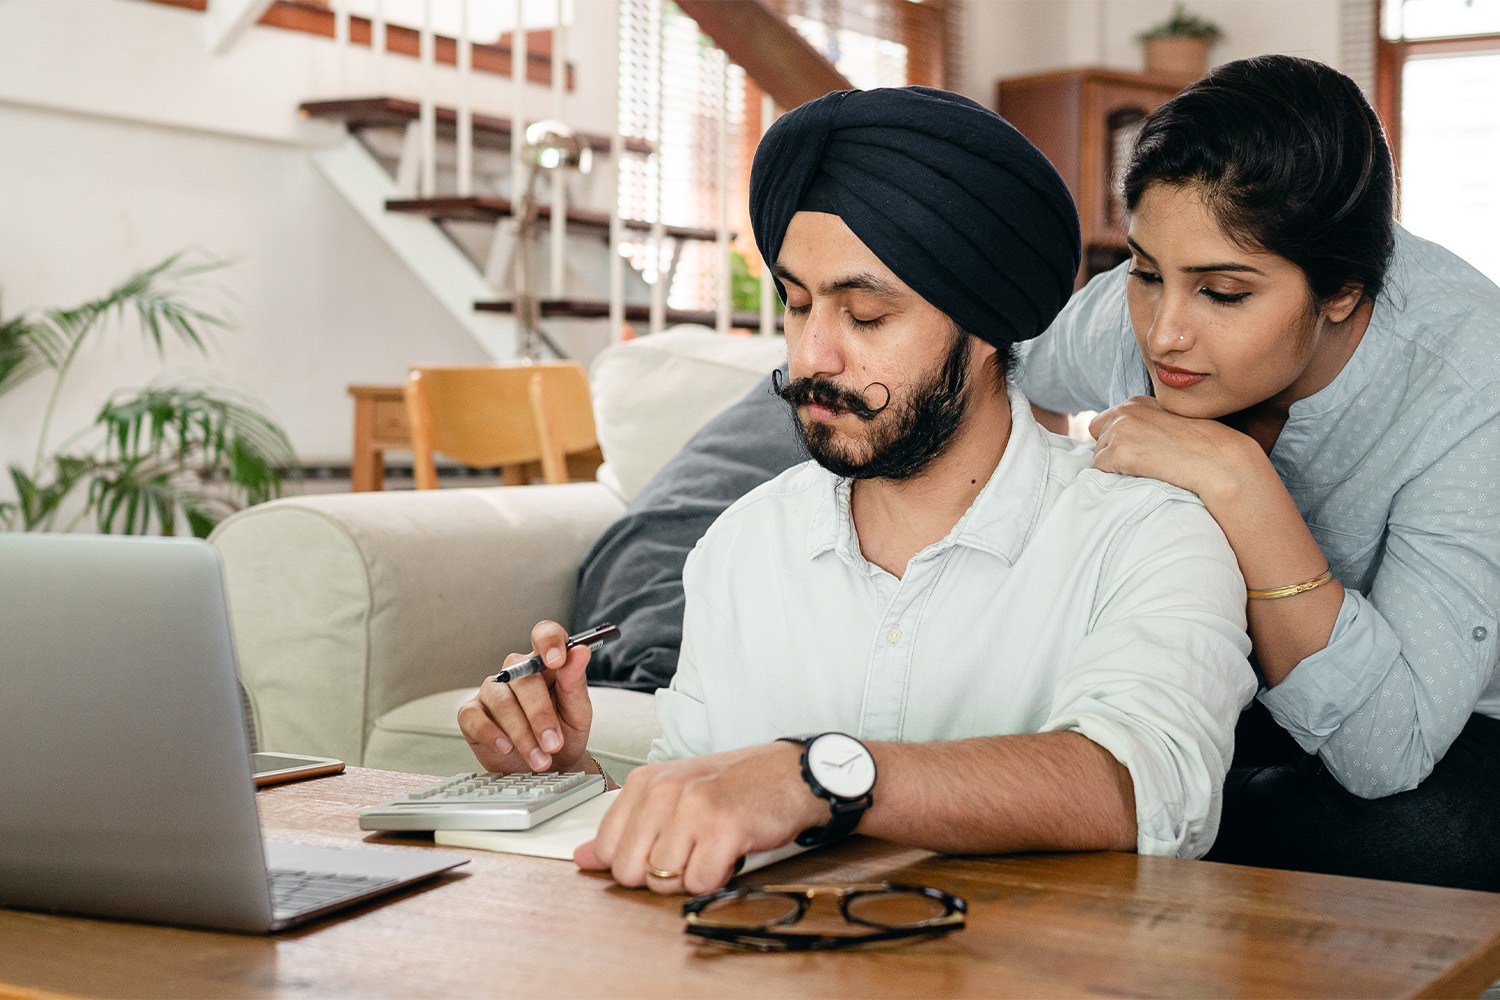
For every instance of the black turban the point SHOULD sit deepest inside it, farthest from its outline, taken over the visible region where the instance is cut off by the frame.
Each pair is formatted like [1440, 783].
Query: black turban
[950, 197]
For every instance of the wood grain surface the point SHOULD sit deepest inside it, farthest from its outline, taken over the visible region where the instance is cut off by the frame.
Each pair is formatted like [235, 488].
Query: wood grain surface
[1039, 925]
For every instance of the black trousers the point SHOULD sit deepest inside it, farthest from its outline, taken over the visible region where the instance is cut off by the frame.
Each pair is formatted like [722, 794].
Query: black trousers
[1282, 809]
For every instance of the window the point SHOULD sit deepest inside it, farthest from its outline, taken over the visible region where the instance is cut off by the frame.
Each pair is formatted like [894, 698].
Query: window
[675, 86]
[1440, 97]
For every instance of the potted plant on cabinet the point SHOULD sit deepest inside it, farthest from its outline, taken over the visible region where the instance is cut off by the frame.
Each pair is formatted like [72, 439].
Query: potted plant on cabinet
[1179, 46]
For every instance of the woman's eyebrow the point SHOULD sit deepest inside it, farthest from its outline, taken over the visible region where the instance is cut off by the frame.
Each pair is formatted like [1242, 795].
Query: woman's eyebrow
[1199, 268]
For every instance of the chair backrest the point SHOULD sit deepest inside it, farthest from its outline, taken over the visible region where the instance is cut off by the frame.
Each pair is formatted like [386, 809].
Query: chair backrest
[499, 415]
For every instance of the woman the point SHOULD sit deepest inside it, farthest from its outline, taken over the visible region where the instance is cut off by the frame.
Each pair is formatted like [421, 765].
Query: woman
[1328, 385]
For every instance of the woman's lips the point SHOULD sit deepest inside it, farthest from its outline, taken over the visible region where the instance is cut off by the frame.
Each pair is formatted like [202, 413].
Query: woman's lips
[1177, 378]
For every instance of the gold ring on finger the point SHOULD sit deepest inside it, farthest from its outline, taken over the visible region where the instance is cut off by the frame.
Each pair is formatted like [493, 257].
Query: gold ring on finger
[658, 873]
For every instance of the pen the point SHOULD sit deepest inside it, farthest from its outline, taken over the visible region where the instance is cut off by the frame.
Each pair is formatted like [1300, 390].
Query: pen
[593, 639]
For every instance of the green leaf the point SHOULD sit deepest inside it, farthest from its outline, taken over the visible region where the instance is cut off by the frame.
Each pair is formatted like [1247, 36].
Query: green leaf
[214, 449]
[166, 454]
[19, 358]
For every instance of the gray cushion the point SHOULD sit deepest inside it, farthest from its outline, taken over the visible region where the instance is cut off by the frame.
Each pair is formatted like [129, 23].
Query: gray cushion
[632, 576]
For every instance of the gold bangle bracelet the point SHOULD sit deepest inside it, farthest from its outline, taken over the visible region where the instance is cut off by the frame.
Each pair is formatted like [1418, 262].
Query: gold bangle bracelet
[1296, 588]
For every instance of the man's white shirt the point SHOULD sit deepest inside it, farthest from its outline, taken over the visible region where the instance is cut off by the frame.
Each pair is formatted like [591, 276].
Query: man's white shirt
[1064, 599]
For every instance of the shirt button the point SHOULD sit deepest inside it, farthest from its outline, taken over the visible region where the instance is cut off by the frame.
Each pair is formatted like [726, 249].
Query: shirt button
[894, 635]
[1479, 633]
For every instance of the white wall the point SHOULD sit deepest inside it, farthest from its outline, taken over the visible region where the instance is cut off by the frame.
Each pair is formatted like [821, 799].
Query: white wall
[1018, 37]
[122, 141]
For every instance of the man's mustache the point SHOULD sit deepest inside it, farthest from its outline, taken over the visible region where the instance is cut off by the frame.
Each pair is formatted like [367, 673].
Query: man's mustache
[822, 392]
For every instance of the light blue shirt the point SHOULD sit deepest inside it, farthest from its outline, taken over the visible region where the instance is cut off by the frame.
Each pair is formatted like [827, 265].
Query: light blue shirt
[1063, 599]
[1395, 466]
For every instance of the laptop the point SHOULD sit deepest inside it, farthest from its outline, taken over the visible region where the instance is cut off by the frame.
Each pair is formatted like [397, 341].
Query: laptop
[125, 775]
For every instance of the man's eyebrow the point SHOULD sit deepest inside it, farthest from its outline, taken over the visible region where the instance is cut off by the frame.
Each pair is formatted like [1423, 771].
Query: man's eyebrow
[1198, 268]
[862, 282]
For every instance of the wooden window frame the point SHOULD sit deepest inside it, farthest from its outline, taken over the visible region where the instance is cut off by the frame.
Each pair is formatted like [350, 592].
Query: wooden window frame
[1391, 56]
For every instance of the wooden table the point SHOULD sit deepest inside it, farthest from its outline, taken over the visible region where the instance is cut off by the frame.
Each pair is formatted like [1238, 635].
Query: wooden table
[379, 426]
[1039, 925]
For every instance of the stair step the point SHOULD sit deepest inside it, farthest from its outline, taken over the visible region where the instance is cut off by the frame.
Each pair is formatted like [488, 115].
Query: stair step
[635, 312]
[488, 208]
[490, 131]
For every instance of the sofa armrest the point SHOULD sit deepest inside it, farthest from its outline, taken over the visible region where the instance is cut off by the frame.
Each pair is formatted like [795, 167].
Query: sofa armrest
[345, 606]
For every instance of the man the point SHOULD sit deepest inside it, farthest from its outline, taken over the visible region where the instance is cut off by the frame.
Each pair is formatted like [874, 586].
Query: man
[1003, 649]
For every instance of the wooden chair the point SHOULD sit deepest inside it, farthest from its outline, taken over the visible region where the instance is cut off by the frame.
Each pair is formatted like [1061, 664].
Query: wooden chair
[512, 416]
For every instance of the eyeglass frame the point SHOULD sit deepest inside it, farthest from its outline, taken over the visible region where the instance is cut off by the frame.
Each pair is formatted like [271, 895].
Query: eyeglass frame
[763, 938]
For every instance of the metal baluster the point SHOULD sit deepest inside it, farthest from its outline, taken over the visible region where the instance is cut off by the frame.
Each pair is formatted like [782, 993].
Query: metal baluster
[658, 229]
[465, 59]
[377, 45]
[721, 320]
[559, 181]
[341, 43]
[428, 52]
[767, 288]
[524, 289]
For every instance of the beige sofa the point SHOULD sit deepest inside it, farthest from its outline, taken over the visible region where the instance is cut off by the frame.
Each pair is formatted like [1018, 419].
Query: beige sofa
[362, 621]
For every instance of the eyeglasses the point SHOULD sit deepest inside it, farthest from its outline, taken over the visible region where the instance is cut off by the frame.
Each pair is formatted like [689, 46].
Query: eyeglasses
[757, 917]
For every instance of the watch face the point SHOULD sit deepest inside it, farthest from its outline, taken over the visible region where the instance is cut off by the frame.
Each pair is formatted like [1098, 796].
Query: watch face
[842, 765]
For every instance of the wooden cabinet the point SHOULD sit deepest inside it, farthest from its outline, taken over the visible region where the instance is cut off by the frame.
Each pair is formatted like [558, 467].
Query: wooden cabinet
[1084, 120]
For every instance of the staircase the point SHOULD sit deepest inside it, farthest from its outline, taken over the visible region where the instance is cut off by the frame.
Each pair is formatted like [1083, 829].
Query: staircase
[436, 182]
[385, 134]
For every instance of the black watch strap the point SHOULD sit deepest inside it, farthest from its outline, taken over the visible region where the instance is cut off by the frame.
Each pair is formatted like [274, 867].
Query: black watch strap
[846, 812]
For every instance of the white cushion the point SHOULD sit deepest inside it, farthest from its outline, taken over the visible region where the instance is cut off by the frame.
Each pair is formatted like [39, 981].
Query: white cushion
[652, 393]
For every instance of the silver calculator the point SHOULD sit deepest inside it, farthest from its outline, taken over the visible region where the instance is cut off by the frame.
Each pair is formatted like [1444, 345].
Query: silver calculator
[480, 801]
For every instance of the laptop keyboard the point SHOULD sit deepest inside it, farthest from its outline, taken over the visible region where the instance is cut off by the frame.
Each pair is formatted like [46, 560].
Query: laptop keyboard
[484, 802]
[294, 891]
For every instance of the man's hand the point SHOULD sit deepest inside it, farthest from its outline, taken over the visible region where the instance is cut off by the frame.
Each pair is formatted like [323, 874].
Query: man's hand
[534, 723]
[696, 817]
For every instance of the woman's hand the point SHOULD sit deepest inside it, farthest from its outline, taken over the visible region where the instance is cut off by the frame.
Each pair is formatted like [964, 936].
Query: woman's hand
[1237, 483]
[1141, 438]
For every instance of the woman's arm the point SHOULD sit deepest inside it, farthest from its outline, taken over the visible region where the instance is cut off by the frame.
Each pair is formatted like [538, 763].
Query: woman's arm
[1378, 687]
[1406, 664]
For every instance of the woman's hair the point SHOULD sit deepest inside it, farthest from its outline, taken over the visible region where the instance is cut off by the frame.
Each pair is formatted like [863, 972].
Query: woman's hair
[1291, 159]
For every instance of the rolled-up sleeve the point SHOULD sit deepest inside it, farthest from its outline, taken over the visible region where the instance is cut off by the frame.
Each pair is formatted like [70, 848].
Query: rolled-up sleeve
[1162, 676]
[1404, 667]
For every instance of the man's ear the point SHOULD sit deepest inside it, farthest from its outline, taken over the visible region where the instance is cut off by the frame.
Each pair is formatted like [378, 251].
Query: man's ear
[1341, 305]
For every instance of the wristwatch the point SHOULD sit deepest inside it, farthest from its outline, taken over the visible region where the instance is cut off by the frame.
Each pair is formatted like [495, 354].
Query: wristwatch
[839, 768]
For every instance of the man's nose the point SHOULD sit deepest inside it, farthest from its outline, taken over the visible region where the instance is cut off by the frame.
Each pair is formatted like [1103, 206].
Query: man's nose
[819, 347]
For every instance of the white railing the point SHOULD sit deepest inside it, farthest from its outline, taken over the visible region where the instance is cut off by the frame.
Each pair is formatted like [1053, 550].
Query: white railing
[426, 173]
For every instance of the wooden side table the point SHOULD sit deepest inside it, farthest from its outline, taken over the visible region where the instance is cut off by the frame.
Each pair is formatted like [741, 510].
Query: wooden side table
[379, 426]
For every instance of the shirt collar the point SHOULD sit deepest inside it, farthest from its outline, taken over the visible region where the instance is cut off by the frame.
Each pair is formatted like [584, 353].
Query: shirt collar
[1370, 354]
[999, 521]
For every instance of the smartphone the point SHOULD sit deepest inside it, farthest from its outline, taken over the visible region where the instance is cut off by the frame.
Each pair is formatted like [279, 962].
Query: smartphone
[274, 768]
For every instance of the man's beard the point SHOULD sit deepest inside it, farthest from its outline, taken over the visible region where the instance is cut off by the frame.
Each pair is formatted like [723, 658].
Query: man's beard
[913, 436]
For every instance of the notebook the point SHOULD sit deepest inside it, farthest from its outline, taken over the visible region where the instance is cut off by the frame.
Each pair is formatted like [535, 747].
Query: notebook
[125, 771]
[561, 835]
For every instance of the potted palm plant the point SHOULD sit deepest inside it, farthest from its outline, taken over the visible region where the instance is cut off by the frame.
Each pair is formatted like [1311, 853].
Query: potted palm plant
[1179, 46]
[170, 455]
